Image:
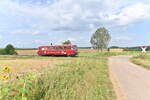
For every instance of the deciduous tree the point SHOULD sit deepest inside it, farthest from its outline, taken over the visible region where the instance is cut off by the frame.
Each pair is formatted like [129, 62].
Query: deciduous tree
[66, 42]
[100, 39]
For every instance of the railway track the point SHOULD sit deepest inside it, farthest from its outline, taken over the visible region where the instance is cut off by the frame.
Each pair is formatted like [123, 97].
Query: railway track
[95, 57]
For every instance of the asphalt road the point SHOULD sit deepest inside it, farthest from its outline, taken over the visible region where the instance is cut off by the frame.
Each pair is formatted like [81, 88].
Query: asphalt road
[131, 82]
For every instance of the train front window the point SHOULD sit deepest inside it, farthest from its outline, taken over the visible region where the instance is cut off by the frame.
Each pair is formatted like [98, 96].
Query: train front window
[74, 48]
[43, 48]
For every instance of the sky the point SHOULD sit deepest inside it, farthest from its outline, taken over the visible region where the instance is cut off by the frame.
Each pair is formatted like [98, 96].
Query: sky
[32, 23]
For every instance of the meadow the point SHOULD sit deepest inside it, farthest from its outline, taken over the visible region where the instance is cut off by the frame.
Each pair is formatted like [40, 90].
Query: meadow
[56, 78]
[85, 77]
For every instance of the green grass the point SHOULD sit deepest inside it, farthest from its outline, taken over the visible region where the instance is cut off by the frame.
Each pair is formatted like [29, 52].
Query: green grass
[107, 54]
[81, 79]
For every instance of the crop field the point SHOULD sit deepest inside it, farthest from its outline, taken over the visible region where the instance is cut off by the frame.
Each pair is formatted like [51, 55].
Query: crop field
[55, 78]
[30, 65]
[27, 52]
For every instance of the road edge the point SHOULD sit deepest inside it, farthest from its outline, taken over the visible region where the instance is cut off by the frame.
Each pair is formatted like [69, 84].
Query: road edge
[116, 85]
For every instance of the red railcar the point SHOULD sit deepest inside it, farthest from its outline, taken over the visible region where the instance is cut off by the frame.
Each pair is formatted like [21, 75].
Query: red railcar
[68, 50]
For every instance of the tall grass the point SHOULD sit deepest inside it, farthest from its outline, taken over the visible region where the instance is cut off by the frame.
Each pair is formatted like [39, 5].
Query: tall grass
[84, 79]
[81, 79]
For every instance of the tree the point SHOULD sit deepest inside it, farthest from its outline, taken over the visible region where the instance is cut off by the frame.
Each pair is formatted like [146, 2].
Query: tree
[10, 50]
[66, 42]
[100, 39]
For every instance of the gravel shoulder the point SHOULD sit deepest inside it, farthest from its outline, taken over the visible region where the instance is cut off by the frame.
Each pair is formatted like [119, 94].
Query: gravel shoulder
[131, 82]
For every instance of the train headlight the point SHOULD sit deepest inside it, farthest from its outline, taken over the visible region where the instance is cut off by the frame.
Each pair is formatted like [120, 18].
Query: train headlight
[63, 52]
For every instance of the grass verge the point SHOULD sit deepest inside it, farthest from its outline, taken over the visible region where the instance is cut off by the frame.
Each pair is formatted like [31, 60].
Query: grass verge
[142, 60]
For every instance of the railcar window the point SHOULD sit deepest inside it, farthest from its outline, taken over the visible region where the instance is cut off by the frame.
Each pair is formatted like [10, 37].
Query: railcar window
[62, 48]
[75, 48]
[51, 48]
[59, 48]
[56, 48]
[67, 48]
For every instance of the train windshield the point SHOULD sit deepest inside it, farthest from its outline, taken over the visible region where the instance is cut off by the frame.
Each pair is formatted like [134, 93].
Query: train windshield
[43, 48]
[75, 48]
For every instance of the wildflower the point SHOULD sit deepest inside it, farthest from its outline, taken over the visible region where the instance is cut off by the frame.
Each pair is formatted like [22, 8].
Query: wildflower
[6, 69]
[5, 77]
[13, 94]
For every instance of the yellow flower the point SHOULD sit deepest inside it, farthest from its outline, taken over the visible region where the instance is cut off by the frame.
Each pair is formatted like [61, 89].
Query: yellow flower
[5, 77]
[6, 69]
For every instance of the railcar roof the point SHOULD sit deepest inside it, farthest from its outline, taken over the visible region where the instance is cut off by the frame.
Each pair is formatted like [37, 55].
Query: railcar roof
[59, 46]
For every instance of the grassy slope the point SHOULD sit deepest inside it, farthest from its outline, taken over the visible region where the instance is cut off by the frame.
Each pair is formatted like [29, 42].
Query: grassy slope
[142, 60]
[82, 79]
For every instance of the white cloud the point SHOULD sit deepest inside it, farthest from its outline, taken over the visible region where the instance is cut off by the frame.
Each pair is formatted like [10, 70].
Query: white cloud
[132, 14]
[74, 39]
[122, 40]
[41, 41]
[23, 31]
[70, 17]
[79, 15]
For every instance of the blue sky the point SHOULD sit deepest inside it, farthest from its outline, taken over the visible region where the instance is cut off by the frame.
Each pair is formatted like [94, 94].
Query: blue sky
[32, 23]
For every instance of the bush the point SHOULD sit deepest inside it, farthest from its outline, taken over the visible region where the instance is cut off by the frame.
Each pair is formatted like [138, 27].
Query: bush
[9, 50]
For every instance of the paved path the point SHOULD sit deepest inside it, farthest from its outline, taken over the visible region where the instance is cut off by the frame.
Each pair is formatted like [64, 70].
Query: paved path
[131, 82]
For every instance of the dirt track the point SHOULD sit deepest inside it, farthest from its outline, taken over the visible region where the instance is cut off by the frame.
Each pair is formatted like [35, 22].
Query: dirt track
[131, 82]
